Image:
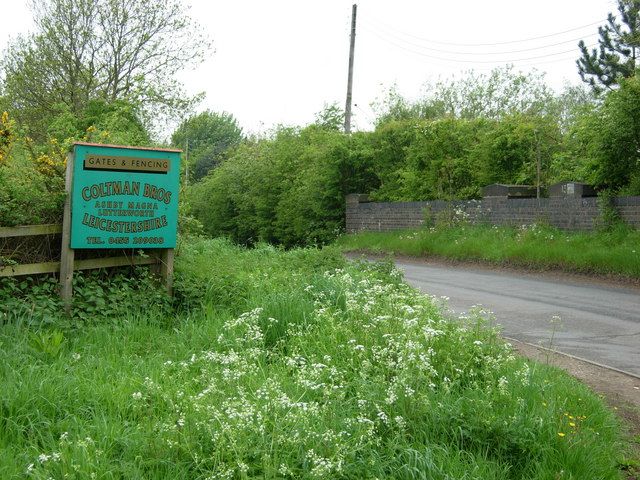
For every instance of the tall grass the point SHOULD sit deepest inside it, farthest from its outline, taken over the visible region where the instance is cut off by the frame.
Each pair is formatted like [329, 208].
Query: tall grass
[293, 365]
[608, 252]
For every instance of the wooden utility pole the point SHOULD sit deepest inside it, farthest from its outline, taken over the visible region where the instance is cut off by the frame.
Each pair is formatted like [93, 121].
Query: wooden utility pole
[347, 110]
[538, 165]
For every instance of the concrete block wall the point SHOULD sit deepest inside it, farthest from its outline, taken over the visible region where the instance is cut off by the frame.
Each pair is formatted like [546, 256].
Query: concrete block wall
[564, 213]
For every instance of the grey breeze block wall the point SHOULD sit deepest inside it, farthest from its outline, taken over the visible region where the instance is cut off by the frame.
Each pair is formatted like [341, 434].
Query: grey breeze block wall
[564, 213]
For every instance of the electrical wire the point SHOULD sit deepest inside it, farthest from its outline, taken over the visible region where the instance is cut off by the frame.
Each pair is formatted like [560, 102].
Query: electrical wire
[368, 118]
[504, 52]
[453, 44]
[500, 61]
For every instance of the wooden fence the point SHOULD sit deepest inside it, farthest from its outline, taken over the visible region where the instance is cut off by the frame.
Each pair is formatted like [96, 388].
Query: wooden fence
[54, 267]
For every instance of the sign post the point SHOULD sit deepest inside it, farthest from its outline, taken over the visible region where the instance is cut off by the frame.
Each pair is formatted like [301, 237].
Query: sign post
[66, 253]
[119, 197]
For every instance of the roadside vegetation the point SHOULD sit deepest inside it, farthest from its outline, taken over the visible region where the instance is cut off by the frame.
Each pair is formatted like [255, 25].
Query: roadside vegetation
[615, 251]
[290, 364]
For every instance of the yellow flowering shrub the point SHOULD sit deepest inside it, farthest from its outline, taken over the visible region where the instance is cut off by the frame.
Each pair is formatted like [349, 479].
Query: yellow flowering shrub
[7, 136]
[53, 162]
[96, 135]
[51, 159]
[32, 183]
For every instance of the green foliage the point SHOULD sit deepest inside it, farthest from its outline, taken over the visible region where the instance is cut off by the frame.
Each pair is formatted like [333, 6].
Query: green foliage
[461, 136]
[609, 215]
[453, 158]
[116, 122]
[97, 296]
[618, 50]
[509, 151]
[47, 343]
[289, 189]
[207, 136]
[26, 197]
[388, 151]
[7, 136]
[610, 137]
[320, 369]
[503, 91]
[476, 130]
[394, 107]
[32, 174]
[34, 301]
[331, 117]
[438, 162]
[82, 51]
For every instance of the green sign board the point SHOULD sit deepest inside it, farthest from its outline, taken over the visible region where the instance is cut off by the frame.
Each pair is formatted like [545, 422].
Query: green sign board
[124, 197]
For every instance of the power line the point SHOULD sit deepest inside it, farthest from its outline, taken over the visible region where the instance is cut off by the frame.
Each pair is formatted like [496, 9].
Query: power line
[504, 52]
[434, 57]
[454, 44]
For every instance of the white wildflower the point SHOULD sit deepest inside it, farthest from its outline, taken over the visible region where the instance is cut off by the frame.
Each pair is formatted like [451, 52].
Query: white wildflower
[502, 385]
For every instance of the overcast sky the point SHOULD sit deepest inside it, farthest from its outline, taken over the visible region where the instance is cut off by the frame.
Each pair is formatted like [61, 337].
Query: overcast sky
[279, 61]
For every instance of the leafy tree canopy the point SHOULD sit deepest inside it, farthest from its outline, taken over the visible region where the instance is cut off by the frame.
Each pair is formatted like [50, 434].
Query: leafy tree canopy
[617, 52]
[501, 92]
[106, 50]
[208, 136]
[118, 122]
[331, 117]
[610, 137]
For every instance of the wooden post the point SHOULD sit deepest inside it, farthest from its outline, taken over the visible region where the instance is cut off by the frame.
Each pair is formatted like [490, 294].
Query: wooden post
[166, 269]
[66, 252]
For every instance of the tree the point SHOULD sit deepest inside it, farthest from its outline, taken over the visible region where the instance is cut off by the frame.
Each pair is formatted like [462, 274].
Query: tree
[610, 135]
[210, 135]
[503, 91]
[331, 117]
[84, 50]
[113, 122]
[510, 150]
[619, 46]
[395, 107]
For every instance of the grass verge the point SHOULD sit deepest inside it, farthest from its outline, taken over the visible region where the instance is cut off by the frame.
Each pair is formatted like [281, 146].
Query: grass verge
[615, 252]
[291, 365]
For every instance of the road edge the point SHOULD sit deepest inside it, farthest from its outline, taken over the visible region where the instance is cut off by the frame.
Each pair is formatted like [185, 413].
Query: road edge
[574, 357]
[610, 280]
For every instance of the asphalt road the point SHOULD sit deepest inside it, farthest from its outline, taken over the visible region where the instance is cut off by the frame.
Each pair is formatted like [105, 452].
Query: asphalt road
[598, 322]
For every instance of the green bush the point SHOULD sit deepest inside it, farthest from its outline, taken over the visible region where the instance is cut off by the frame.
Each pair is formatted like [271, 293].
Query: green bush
[288, 190]
[26, 197]
[611, 135]
[98, 296]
